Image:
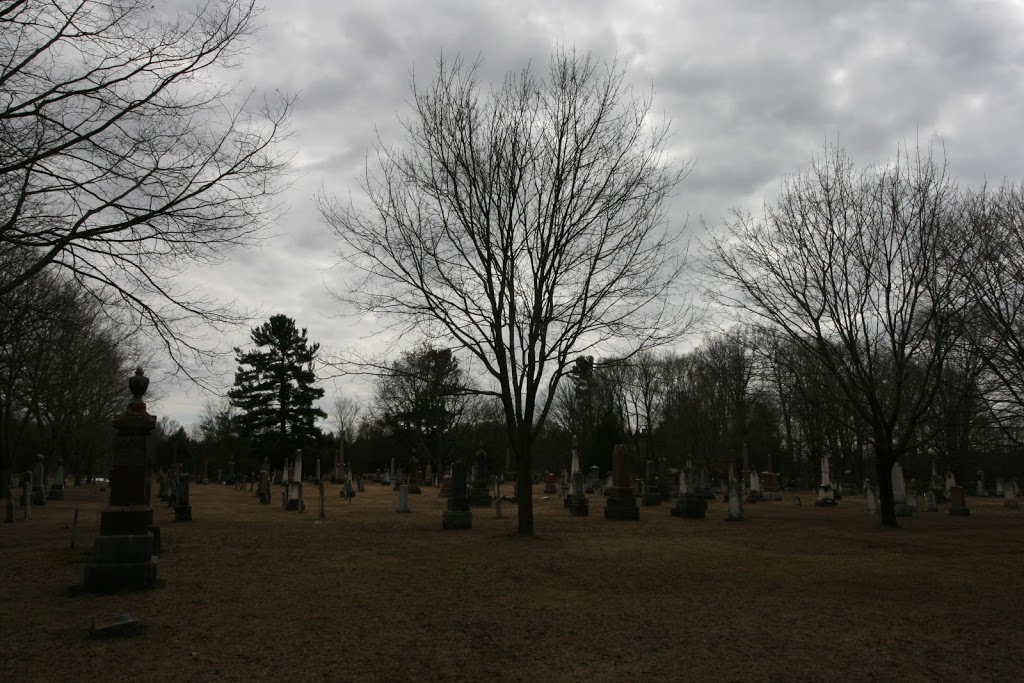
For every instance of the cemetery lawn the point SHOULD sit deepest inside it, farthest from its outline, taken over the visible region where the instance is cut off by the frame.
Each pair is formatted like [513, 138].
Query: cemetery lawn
[250, 592]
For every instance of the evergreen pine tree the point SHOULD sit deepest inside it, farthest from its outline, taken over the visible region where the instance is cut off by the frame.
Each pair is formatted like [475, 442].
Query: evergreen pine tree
[274, 388]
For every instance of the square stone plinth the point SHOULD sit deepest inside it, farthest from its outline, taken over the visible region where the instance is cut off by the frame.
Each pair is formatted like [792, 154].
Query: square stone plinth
[457, 519]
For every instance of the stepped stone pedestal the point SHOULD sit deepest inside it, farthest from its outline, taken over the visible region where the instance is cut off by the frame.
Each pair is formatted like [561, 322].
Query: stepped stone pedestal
[123, 553]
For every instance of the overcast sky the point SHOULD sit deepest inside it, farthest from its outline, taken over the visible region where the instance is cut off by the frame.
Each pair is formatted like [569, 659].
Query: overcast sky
[754, 89]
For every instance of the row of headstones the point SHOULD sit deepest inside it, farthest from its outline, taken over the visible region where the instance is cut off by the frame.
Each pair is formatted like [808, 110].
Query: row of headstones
[33, 489]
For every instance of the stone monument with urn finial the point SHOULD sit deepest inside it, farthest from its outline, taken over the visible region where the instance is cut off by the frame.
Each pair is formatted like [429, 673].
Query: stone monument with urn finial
[123, 553]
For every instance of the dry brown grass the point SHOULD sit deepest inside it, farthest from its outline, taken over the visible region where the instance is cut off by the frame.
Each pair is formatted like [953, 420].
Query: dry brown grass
[252, 592]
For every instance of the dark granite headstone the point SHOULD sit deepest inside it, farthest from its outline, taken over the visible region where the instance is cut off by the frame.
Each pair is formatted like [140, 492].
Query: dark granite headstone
[620, 504]
[458, 515]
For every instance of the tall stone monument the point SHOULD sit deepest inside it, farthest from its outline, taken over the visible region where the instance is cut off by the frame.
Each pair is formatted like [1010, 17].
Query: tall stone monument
[826, 493]
[123, 553]
[479, 491]
[620, 504]
[689, 504]
[458, 515]
[295, 484]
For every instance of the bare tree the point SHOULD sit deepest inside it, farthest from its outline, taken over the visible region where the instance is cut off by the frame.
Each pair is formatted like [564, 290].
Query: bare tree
[345, 412]
[525, 223]
[122, 164]
[861, 270]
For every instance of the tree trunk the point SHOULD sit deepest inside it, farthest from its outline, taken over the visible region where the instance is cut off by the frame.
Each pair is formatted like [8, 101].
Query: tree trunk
[883, 469]
[524, 480]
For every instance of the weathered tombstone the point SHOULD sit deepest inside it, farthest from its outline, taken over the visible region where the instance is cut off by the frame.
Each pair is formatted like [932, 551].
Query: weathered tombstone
[550, 484]
[688, 504]
[899, 492]
[57, 487]
[950, 481]
[930, 504]
[445, 491]
[651, 492]
[579, 506]
[755, 494]
[958, 502]
[479, 495]
[360, 486]
[621, 504]
[664, 485]
[735, 501]
[911, 494]
[1010, 495]
[899, 487]
[826, 494]
[295, 484]
[123, 553]
[182, 506]
[869, 494]
[981, 491]
[458, 515]
[38, 481]
[595, 479]
[403, 499]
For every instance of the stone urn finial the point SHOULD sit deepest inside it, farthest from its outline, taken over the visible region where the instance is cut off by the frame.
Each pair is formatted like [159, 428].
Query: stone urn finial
[137, 384]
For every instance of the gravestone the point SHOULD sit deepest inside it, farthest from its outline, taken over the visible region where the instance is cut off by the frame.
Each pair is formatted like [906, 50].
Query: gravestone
[689, 504]
[651, 491]
[458, 515]
[445, 490]
[264, 490]
[550, 484]
[755, 494]
[479, 493]
[38, 481]
[664, 485]
[620, 504]
[735, 501]
[958, 502]
[579, 506]
[1010, 495]
[930, 503]
[595, 479]
[981, 491]
[182, 506]
[123, 553]
[899, 492]
[869, 494]
[826, 493]
[294, 502]
[360, 486]
[912, 497]
[403, 499]
[950, 481]
[57, 487]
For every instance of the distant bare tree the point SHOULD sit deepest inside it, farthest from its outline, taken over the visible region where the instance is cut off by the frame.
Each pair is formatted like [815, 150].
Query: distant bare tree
[525, 224]
[121, 164]
[863, 271]
[345, 412]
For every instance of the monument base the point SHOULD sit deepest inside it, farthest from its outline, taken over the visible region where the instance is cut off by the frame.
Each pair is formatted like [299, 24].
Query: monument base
[123, 561]
[579, 507]
[56, 492]
[621, 508]
[690, 505]
[959, 510]
[457, 519]
[182, 513]
[652, 498]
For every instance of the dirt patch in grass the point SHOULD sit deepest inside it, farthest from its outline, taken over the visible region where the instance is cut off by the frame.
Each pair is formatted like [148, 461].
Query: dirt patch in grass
[250, 592]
